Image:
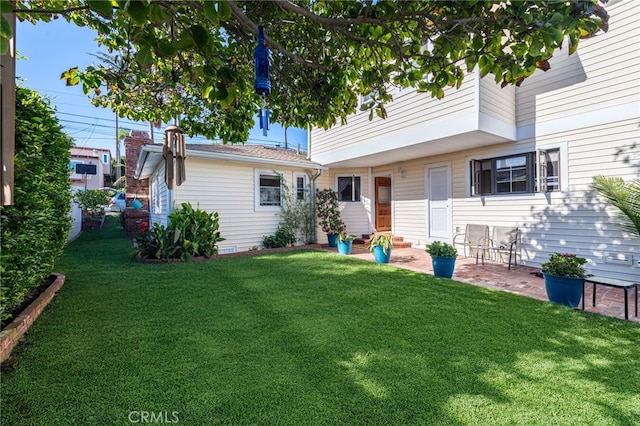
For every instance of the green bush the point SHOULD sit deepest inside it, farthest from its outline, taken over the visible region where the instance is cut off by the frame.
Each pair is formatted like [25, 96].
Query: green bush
[35, 229]
[93, 200]
[191, 232]
[284, 237]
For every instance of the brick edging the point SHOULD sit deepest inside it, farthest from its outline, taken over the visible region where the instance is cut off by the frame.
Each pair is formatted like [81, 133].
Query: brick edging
[10, 336]
[237, 254]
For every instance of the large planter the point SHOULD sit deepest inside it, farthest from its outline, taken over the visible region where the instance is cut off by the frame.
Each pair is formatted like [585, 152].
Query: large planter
[443, 266]
[563, 290]
[333, 238]
[344, 246]
[380, 256]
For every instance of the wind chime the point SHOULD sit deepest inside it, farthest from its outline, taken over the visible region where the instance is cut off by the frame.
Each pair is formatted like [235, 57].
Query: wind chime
[174, 152]
[262, 84]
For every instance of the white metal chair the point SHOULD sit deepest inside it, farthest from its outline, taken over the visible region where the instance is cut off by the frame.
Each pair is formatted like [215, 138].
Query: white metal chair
[475, 238]
[505, 239]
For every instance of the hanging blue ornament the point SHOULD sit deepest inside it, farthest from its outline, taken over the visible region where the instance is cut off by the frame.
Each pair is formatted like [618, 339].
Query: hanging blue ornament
[262, 84]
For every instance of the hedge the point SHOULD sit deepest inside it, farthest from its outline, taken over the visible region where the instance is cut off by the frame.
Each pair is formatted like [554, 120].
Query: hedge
[35, 229]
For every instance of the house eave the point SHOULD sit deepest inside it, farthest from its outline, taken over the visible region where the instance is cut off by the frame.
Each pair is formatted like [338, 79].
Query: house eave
[150, 158]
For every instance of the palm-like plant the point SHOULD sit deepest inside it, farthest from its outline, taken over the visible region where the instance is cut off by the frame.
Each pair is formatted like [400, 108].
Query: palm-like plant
[625, 196]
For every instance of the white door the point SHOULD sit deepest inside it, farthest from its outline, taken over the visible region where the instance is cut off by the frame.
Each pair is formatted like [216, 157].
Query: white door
[438, 197]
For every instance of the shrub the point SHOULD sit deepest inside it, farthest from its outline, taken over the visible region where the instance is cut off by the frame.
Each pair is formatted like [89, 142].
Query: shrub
[283, 238]
[191, 232]
[565, 265]
[442, 249]
[35, 229]
[93, 200]
[329, 211]
[381, 240]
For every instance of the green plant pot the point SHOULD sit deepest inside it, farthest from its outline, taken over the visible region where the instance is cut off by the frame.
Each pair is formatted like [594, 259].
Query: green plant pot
[563, 290]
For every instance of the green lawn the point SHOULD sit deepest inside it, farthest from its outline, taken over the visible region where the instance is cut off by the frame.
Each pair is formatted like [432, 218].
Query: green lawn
[306, 337]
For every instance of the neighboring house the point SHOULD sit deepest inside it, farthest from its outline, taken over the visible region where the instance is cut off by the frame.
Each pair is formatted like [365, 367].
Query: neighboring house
[519, 156]
[100, 158]
[240, 182]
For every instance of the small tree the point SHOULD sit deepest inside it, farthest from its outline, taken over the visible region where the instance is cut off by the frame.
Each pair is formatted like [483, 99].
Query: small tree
[329, 211]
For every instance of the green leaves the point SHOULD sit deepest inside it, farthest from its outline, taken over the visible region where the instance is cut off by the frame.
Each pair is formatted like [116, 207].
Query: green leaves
[104, 8]
[34, 230]
[71, 76]
[194, 58]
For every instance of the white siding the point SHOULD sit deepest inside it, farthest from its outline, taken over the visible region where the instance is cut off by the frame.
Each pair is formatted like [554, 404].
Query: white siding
[577, 222]
[406, 111]
[356, 215]
[496, 102]
[603, 73]
[159, 199]
[228, 188]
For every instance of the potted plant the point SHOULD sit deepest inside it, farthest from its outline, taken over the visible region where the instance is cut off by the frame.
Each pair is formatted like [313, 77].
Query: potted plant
[380, 245]
[345, 242]
[564, 278]
[443, 258]
[328, 212]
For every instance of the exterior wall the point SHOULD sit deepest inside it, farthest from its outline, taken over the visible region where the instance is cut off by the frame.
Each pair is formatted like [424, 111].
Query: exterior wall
[408, 110]
[228, 188]
[588, 105]
[91, 156]
[160, 205]
[356, 215]
[575, 221]
[602, 74]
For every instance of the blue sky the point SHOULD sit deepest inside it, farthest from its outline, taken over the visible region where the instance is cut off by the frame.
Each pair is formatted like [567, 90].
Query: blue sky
[53, 47]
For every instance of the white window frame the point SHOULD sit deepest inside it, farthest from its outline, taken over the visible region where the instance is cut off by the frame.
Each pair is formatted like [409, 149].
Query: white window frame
[352, 177]
[563, 164]
[305, 186]
[105, 158]
[257, 205]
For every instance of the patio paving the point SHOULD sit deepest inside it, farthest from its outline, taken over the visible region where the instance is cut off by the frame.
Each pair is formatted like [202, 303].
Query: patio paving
[518, 280]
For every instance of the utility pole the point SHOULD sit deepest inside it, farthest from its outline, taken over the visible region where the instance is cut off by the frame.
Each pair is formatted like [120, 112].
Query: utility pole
[118, 168]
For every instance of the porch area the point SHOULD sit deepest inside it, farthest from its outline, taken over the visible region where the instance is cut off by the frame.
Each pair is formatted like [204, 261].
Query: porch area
[518, 280]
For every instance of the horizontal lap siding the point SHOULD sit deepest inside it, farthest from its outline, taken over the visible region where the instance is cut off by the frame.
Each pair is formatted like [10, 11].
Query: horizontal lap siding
[497, 102]
[602, 73]
[580, 222]
[228, 188]
[159, 207]
[407, 110]
[409, 203]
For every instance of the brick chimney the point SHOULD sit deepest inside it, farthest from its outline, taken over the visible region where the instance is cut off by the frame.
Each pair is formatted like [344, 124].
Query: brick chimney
[135, 188]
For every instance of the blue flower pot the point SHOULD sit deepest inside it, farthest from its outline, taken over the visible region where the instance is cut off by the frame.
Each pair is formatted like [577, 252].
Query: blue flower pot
[333, 238]
[344, 246]
[443, 266]
[380, 256]
[563, 290]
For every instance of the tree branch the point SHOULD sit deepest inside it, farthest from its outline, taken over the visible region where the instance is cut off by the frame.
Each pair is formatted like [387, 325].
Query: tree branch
[253, 28]
[48, 11]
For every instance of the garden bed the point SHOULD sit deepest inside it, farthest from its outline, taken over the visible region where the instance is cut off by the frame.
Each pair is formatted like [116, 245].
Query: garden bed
[10, 335]
[237, 254]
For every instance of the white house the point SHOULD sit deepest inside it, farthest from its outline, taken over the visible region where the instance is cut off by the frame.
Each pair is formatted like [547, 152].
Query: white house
[519, 156]
[240, 182]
